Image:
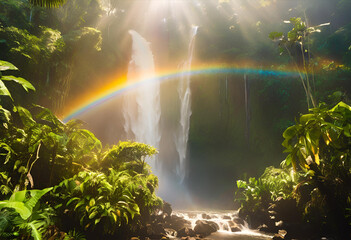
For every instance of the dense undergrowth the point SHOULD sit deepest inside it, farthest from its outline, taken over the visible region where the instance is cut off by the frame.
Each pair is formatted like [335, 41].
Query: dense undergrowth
[87, 190]
[315, 175]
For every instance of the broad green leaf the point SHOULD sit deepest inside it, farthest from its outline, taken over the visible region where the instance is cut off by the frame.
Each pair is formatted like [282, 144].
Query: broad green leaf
[26, 117]
[19, 207]
[19, 196]
[24, 83]
[4, 91]
[47, 115]
[35, 196]
[341, 105]
[306, 117]
[289, 132]
[7, 66]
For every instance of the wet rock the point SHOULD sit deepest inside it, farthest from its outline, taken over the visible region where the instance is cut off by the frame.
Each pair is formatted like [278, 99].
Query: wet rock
[282, 232]
[204, 228]
[155, 230]
[134, 238]
[205, 216]
[184, 232]
[277, 237]
[191, 238]
[235, 229]
[167, 209]
[268, 228]
[177, 223]
[171, 232]
[226, 217]
[279, 223]
[238, 220]
[213, 224]
[225, 227]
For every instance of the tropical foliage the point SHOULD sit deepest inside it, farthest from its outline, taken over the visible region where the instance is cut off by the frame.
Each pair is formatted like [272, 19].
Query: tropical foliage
[114, 199]
[319, 162]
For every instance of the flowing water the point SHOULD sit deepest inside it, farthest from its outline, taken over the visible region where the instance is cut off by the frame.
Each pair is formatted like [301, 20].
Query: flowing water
[184, 93]
[225, 220]
[141, 107]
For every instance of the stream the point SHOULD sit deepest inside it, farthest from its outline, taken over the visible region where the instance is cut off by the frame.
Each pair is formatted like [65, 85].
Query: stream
[224, 219]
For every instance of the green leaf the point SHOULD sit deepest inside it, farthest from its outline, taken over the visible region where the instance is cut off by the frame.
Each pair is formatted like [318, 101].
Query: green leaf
[7, 66]
[19, 196]
[93, 214]
[92, 202]
[35, 196]
[5, 115]
[275, 35]
[35, 233]
[241, 184]
[341, 105]
[19, 207]
[26, 117]
[71, 200]
[290, 132]
[97, 220]
[24, 83]
[4, 91]
[306, 117]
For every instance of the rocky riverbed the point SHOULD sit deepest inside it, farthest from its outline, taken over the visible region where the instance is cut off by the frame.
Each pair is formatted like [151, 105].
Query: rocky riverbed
[195, 225]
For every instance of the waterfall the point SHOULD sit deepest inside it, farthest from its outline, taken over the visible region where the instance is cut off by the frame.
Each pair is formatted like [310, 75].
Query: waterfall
[184, 93]
[141, 107]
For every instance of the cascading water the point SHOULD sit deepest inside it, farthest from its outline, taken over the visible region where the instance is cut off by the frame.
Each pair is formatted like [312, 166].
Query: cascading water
[226, 222]
[141, 108]
[184, 93]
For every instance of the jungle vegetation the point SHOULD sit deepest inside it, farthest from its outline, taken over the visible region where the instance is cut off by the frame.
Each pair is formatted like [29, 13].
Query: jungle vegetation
[91, 189]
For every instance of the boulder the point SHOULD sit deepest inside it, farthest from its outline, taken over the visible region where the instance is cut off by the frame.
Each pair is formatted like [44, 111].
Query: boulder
[184, 232]
[205, 228]
[177, 223]
[205, 216]
[155, 230]
[238, 220]
[234, 227]
[226, 217]
[167, 209]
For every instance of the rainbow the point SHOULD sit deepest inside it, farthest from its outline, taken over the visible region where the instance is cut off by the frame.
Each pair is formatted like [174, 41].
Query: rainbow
[119, 86]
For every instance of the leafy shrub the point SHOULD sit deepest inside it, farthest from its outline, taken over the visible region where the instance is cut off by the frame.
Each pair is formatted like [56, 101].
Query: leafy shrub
[21, 215]
[106, 203]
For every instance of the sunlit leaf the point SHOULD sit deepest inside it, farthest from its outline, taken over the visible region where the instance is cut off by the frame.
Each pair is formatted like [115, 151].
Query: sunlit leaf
[7, 66]
[24, 83]
[4, 91]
